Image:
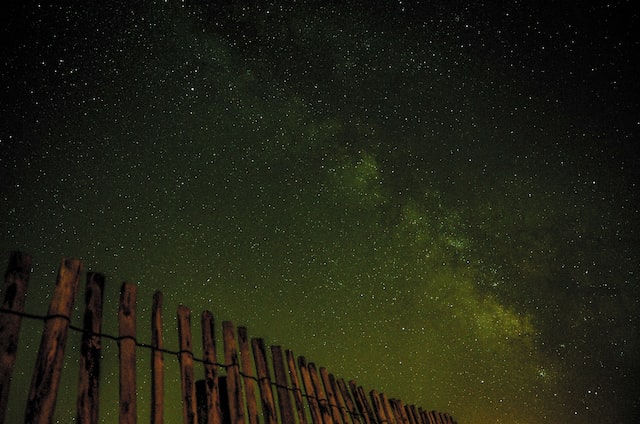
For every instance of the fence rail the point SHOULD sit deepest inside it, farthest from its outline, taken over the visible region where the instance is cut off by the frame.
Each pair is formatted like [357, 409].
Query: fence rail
[218, 398]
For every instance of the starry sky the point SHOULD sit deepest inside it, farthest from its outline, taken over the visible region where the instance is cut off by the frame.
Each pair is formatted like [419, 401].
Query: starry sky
[436, 199]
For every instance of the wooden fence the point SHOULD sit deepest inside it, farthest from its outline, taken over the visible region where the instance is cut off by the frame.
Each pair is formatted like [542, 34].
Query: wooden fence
[298, 393]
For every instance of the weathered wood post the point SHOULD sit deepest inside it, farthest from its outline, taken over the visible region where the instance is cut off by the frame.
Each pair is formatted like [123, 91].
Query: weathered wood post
[320, 394]
[14, 290]
[127, 345]
[340, 402]
[264, 381]
[89, 372]
[312, 400]
[351, 406]
[157, 361]
[234, 383]
[295, 384]
[284, 399]
[332, 403]
[212, 383]
[48, 369]
[248, 376]
[189, 406]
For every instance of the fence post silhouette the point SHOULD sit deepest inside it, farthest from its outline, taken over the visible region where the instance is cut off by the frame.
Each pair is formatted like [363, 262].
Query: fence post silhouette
[16, 280]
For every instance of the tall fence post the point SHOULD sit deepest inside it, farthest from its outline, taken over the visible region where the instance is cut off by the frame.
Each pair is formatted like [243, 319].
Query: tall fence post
[157, 361]
[212, 382]
[46, 376]
[14, 290]
[89, 371]
[284, 400]
[248, 376]
[189, 406]
[127, 344]
[234, 383]
[264, 381]
[295, 383]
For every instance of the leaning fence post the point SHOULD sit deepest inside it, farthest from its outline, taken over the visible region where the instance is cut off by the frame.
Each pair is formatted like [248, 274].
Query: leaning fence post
[280, 374]
[319, 391]
[89, 370]
[312, 399]
[295, 384]
[16, 279]
[264, 381]
[46, 376]
[332, 403]
[189, 406]
[127, 344]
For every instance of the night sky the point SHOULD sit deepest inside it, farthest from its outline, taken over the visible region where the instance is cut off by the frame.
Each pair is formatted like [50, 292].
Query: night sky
[436, 199]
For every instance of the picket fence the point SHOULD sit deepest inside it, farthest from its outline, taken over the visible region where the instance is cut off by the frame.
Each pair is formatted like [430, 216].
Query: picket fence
[305, 394]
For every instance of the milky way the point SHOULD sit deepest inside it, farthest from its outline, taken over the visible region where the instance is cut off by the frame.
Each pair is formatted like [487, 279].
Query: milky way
[437, 201]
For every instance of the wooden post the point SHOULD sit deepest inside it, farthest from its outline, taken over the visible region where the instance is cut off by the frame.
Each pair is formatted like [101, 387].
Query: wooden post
[351, 406]
[295, 384]
[403, 411]
[284, 400]
[264, 381]
[89, 373]
[157, 361]
[48, 369]
[388, 410]
[312, 400]
[319, 391]
[16, 280]
[127, 346]
[378, 408]
[332, 403]
[188, 382]
[363, 405]
[341, 406]
[248, 376]
[212, 384]
[234, 384]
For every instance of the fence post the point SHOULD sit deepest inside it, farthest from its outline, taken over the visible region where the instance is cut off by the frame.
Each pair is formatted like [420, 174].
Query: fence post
[295, 383]
[363, 405]
[312, 399]
[319, 391]
[127, 344]
[264, 381]
[157, 361]
[212, 384]
[284, 400]
[340, 402]
[89, 372]
[46, 376]
[16, 280]
[351, 406]
[186, 366]
[332, 403]
[234, 384]
[248, 376]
